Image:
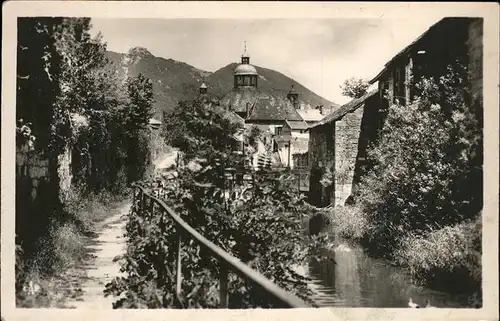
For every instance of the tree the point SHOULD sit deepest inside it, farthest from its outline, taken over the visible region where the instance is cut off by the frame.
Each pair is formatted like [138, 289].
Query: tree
[263, 229]
[38, 67]
[137, 114]
[70, 96]
[354, 88]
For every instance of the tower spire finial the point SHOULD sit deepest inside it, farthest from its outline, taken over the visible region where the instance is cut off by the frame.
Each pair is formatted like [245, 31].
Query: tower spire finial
[245, 58]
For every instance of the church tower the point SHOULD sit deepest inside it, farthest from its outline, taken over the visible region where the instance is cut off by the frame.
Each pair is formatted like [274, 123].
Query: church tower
[245, 75]
[293, 97]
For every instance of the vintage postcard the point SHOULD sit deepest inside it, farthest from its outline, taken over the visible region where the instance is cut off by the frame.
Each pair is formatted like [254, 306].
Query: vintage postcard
[249, 161]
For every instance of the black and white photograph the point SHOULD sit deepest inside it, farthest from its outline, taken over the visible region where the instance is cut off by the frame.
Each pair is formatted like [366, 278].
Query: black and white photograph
[250, 162]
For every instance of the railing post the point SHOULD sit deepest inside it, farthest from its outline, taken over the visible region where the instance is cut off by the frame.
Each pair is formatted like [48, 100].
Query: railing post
[179, 263]
[134, 190]
[151, 207]
[143, 202]
[223, 285]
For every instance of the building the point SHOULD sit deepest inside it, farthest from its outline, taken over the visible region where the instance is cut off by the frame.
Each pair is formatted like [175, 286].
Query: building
[447, 41]
[270, 112]
[338, 143]
[255, 105]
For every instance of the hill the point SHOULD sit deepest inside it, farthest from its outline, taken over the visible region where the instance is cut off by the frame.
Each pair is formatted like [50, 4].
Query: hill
[269, 81]
[174, 81]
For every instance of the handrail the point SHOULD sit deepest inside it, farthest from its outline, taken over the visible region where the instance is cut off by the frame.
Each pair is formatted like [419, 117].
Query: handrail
[233, 263]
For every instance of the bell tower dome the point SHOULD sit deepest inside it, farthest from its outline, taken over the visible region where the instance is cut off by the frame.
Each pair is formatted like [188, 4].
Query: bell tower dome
[245, 75]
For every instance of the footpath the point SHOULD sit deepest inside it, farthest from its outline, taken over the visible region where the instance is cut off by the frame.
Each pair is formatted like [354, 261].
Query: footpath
[110, 242]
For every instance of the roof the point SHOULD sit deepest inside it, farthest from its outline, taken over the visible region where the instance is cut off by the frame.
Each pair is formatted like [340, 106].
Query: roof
[203, 85]
[405, 50]
[345, 109]
[263, 128]
[245, 70]
[310, 114]
[233, 117]
[273, 108]
[296, 124]
[262, 105]
[154, 121]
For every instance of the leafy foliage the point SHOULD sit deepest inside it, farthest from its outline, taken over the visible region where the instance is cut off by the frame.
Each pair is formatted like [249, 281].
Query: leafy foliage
[261, 225]
[354, 88]
[69, 97]
[427, 173]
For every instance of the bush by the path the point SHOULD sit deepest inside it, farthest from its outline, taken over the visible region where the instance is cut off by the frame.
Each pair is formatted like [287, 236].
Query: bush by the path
[63, 248]
[263, 228]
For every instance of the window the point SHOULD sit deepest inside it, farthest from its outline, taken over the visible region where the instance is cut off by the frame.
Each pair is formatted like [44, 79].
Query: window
[278, 130]
[301, 160]
[399, 85]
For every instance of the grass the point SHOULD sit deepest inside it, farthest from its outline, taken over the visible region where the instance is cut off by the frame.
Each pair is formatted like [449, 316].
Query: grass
[348, 222]
[448, 258]
[65, 252]
[451, 253]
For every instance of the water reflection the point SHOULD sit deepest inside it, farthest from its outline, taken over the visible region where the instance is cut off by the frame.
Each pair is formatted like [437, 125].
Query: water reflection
[356, 280]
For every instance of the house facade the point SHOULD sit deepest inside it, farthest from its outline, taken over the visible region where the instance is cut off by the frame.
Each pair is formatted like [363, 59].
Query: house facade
[337, 149]
[448, 41]
[338, 143]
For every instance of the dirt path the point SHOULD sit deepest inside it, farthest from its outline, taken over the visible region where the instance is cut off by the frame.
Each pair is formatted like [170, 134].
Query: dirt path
[110, 242]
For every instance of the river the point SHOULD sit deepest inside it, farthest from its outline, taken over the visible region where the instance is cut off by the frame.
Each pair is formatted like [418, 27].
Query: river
[356, 280]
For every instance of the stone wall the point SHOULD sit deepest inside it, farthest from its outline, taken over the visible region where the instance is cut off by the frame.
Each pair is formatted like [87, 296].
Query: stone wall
[321, 161]
[475, 52]
[31, 169]
[347, 131]
[65, 174]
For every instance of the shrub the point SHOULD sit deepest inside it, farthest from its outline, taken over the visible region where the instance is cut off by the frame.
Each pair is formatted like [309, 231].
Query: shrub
[69, 246]
[427, 170]
[452, 249]
[349, 222]
[263, 228]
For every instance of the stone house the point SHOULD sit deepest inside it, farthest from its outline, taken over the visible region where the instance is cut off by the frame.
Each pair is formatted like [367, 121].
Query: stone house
[338, 143]
[447, 41]
[337, 149]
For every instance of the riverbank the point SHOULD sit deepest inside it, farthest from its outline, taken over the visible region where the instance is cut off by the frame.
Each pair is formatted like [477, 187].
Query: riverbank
[446, 259]
[355, 279]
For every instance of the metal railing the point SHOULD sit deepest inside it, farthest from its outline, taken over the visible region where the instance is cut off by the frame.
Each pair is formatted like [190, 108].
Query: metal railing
[228, 263]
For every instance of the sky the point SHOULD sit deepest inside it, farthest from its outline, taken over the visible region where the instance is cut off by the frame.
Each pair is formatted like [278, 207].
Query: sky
[318, 53]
